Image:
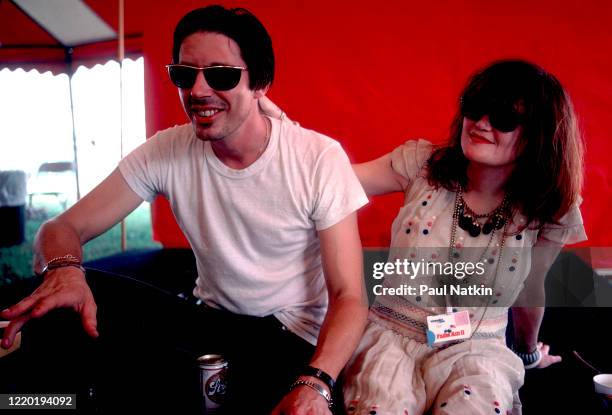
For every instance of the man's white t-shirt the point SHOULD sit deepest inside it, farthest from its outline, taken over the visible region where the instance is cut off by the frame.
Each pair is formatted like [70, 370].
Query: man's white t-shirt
[254, 230]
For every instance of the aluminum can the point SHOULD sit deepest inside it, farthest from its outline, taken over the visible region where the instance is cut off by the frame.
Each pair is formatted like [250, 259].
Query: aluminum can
[213, 381]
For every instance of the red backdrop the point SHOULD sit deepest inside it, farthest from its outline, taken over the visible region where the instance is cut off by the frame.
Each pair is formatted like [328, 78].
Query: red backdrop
[374, 76]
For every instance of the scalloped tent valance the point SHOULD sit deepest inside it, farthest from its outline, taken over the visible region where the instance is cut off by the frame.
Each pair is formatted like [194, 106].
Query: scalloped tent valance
[60, 35]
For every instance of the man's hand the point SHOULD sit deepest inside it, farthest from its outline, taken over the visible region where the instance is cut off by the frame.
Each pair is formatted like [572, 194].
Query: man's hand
[62, 288]
[547, 359]
[302, 401]
[103, 207]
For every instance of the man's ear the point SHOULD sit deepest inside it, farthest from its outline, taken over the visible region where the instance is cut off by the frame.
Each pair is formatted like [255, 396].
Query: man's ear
[261, 92]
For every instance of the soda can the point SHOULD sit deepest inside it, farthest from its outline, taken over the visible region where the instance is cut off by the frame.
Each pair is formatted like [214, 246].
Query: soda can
[213, 381]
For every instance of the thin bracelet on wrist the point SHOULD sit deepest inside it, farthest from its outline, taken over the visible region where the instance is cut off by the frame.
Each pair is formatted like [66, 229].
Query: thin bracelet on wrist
[316, 387]
[67, 260]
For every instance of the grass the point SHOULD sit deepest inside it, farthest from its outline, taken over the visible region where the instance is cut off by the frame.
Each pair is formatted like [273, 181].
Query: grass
[16, 261]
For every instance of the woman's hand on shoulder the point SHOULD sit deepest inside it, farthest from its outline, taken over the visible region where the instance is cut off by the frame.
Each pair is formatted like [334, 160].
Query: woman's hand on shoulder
[269, 108]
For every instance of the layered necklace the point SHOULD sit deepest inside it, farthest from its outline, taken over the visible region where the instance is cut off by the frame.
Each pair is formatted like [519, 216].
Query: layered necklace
[468, 220]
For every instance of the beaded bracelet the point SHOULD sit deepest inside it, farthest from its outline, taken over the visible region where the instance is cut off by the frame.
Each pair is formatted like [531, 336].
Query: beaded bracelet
[530, 360]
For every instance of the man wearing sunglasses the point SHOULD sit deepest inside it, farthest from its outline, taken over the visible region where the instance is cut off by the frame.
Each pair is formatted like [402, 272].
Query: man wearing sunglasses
[268, 208]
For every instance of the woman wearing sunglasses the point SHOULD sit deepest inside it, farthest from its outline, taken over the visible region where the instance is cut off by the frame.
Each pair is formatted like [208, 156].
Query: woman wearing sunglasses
[503, 193]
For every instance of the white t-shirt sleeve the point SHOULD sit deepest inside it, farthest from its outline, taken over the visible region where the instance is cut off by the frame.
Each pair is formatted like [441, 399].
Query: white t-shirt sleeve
[336, 189]
[145, 168]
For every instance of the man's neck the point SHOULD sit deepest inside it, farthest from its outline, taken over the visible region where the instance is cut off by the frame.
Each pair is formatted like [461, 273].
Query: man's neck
[246, 146]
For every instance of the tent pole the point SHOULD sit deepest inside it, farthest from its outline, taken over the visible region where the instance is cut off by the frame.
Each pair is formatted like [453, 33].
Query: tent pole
[121, 56]
[70, 72]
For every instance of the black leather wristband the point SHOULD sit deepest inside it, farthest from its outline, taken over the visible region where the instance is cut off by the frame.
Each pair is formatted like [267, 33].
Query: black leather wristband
[321, 375]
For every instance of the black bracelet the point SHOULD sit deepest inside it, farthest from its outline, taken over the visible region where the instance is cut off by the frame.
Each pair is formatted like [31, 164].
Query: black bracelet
[321, 375]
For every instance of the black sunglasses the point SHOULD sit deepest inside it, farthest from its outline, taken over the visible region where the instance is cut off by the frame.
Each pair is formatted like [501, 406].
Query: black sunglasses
[218, 77]
[503, 116]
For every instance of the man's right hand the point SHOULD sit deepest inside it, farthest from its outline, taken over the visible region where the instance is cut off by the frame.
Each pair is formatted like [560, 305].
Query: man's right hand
[62, 288]
[100, 209]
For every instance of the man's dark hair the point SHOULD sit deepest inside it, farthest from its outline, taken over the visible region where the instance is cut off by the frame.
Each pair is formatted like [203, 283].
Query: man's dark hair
[242, 27]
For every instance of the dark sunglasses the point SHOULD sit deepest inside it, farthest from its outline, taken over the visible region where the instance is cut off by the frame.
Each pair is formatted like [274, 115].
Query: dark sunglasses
[503, 116]
[218, 77]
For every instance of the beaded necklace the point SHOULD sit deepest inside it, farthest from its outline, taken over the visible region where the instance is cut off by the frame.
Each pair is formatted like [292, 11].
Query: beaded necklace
[468, 219]
[499, 213]
[501, 210]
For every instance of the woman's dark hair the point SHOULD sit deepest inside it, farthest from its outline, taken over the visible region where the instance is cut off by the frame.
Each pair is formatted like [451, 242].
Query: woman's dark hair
[548, 173]
[239, 25]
